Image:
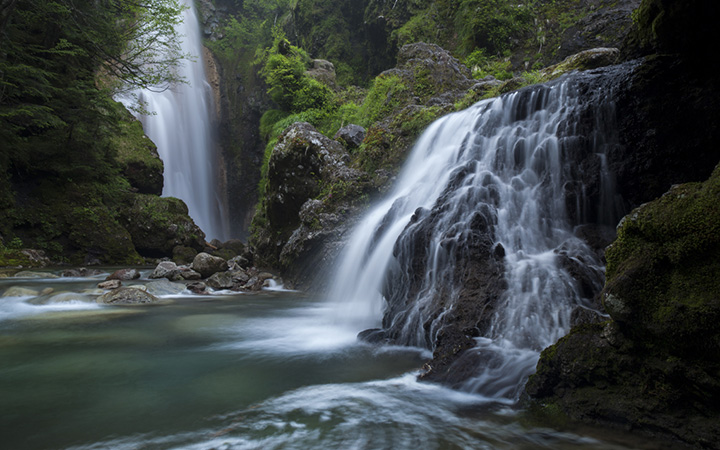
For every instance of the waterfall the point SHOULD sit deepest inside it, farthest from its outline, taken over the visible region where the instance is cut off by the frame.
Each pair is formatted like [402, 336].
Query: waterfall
[486, 214]
[182, 126]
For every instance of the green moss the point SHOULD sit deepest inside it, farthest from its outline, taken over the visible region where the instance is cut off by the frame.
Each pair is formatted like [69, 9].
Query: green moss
[664, 267]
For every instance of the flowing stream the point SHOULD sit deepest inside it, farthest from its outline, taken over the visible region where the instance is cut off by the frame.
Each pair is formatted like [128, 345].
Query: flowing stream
[231, 372]
[181, 124]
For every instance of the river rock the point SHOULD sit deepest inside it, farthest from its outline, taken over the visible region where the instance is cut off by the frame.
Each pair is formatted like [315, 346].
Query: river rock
[16, 291]
[207, 265]
[124, 275]
[164, 287]
[167, 269]
[189, 274]
[127, 296]
[351, 136]
[197, 287]
[220, 280]
[256, 283]
[110, 284]
[80, 272]
[31, 274]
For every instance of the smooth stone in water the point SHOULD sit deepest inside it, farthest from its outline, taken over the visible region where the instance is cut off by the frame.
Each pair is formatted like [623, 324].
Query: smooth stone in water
[164, 287]
[31, 274]
[110, 284]
[166, 269]
[124, 275]
[127, 296]
[16, 291]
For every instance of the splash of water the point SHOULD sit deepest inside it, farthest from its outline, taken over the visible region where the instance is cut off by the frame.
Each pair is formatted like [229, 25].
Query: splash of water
[509, 166]
[182, 126]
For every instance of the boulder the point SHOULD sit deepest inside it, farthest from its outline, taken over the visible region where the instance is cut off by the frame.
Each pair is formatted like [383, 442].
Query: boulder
[127, 296]
[80, 272]
[124, 275]
[31, 274]
[351, 136]
[159, 224]
[197, 287]
[220, 280]
[183, 255]
[110, 284]
[166, 269]
[16, 291]
[164, 287]
[207, 265]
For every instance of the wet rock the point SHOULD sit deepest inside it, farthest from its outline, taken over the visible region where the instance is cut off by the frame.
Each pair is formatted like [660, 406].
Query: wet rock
[164, 287]
[256, 282]
[127, 296]
[207, 265]
[220, 280]
[189, 274]
[654, 365]
[351, 136]
[31, 274]
[80, 272]
[110, 284]
[167, 269]
[124, 275]
[374, 336]
[197, 287]
[16, 291]
[239, 262]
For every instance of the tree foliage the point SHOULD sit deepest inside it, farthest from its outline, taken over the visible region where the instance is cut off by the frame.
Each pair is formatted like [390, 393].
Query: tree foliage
[60, 60]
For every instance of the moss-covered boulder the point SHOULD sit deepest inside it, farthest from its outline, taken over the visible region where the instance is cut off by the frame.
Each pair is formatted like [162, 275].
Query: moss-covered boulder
[159, 224]
[655, 367]
[137, 155]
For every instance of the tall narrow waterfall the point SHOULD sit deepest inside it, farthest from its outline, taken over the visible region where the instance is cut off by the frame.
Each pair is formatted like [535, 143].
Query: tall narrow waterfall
[511, 180]
[182, 125]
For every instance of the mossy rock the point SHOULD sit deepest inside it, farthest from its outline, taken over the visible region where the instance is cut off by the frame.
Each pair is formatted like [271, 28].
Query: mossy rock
[663, 272]
[137, 155]
[159, 224]
[97, 237]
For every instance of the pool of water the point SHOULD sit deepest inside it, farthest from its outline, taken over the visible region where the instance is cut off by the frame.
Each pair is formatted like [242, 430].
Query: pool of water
[270, 370]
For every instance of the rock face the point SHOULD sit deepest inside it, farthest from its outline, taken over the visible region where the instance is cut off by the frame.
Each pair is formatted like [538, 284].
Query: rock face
[302, 162]
[656, 363]
[316, 186]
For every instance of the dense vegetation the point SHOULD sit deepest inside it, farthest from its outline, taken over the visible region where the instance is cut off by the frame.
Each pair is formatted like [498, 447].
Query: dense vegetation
[65, 141]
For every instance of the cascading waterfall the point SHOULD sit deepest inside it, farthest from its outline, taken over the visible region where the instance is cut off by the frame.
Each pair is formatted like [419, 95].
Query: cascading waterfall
[505, 176]
[181, 124]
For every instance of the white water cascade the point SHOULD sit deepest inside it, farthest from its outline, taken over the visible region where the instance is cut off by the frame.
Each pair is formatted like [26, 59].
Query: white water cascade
[182, 126]
[509, 163]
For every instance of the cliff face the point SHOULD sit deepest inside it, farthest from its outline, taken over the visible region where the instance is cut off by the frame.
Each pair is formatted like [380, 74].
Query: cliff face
[653, 367]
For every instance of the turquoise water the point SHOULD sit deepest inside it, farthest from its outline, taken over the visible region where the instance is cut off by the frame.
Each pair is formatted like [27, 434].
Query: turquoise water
[265, 371]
